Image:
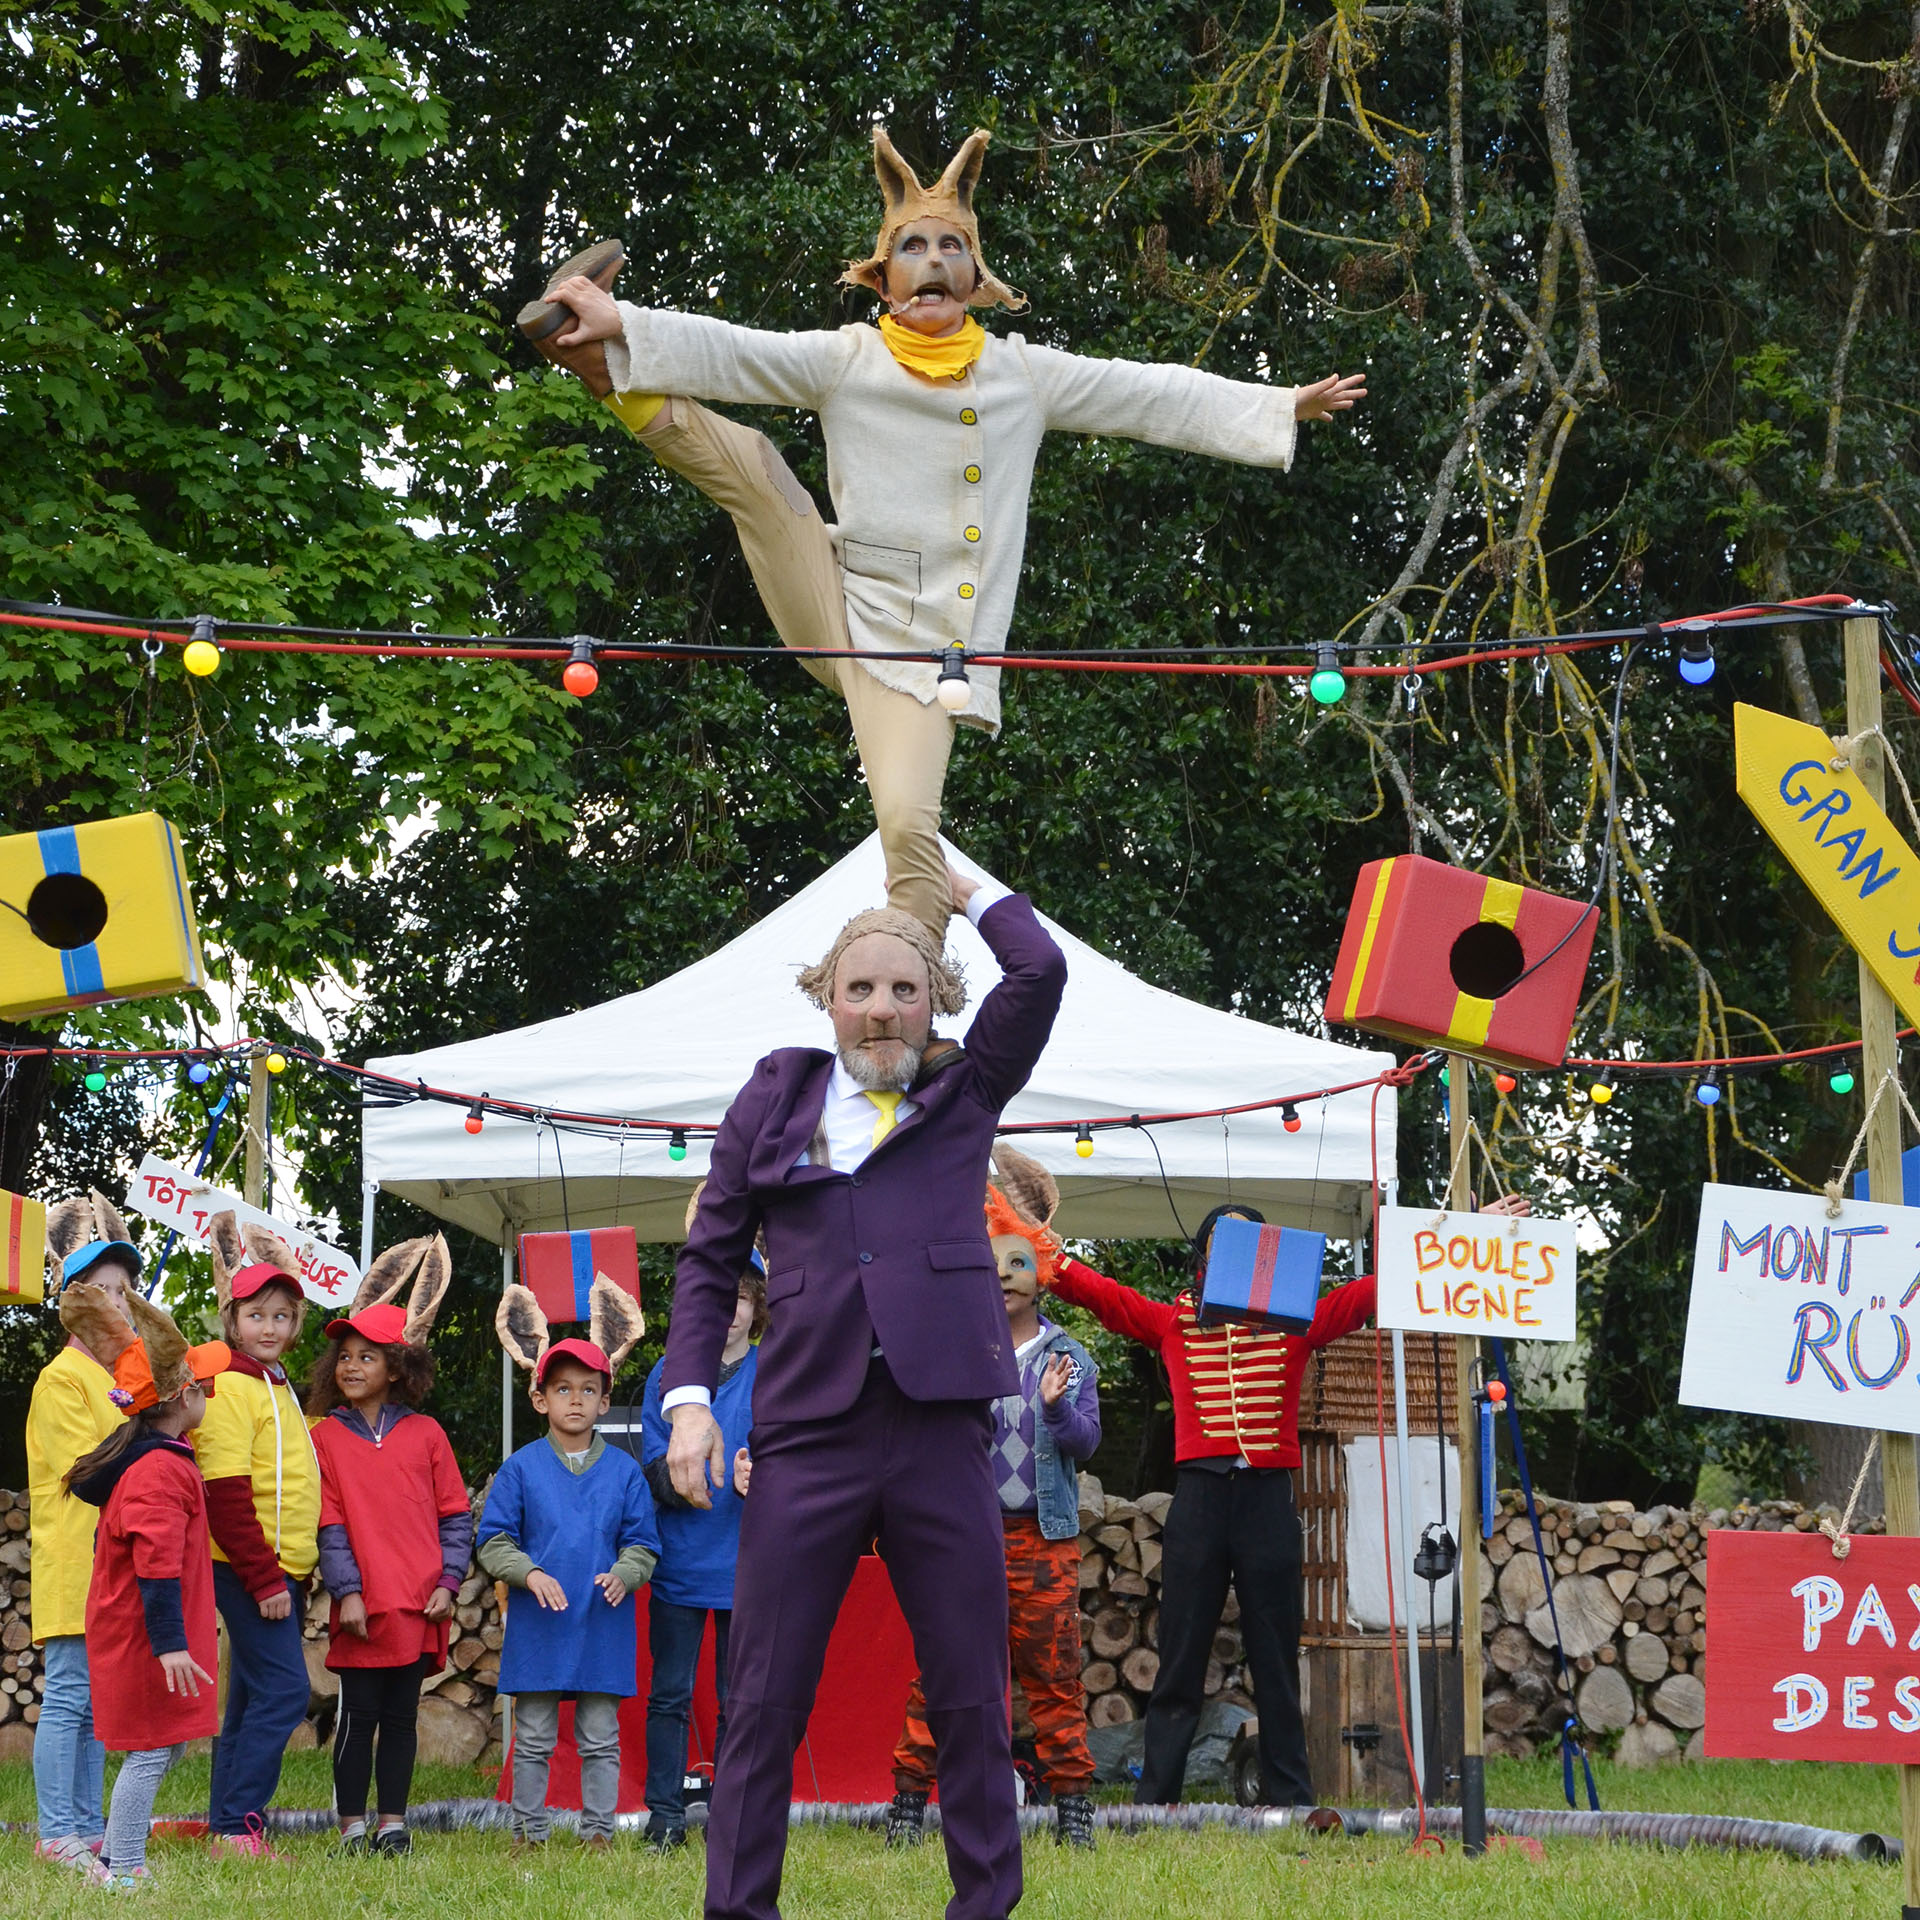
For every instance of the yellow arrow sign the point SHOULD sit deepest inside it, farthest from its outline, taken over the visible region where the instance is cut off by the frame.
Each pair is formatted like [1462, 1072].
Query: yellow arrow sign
[1839, 841]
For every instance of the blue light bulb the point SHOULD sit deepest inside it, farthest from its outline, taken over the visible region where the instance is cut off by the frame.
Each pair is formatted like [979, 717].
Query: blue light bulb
[1696, 673]
[199, 1073]
[1708, 1093]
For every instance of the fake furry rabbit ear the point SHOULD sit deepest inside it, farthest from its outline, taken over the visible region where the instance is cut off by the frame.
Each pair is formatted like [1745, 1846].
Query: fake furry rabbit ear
[387, 1277]
[521, 1326]
[1028, 1186]
[614, 1320]
[963, 170]
[228, 1252]
[264, 1247]
[898, 181]
[93, 1320]
[107, 1218]
[430, 1286]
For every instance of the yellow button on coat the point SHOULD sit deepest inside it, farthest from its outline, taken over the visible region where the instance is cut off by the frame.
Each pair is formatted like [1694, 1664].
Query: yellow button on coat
[968, 416]
[966, 590]
[973, 473]
[973, 533]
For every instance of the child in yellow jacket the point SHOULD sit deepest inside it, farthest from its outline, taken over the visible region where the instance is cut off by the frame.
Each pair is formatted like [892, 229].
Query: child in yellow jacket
[70, 1414]
[263, 1507]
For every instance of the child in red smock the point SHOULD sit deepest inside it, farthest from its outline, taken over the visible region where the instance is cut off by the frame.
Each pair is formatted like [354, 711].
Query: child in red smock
[150, 1615]
[396, 1536]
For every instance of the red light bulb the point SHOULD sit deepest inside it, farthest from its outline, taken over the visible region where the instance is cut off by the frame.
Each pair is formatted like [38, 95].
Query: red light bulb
[580, 678]
[1504, 1082]
[1496, 1391]
[1290, 1118]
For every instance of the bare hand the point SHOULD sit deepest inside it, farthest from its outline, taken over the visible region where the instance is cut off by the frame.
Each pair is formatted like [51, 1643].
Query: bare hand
[1515, 1206]
[696, 1449]
[1324, 398]
[547, 1590]
[596, 314]
[1056, 1379]
[353, 1615]
[612, 1586]
[742, 1472]
[961, 888]
[276, 1606]
[184, 1674]
[439, 1605]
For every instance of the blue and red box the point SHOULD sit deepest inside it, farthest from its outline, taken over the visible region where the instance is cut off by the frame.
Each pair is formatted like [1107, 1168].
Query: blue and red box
[559, 1267]
[1260, 1276]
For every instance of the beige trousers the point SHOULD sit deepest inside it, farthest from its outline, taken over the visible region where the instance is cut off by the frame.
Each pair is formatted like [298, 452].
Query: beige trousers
[903, 744]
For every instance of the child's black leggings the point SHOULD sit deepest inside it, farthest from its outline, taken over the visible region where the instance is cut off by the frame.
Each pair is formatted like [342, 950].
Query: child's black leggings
[387, 1700]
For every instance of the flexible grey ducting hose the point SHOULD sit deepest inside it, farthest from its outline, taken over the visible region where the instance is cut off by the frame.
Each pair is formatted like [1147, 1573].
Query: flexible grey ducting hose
[1660, 1829]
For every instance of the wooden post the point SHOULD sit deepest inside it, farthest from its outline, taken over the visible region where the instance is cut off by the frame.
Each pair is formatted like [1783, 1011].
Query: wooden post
[259, 1094]
[1879, 1056]
[1473, 1776]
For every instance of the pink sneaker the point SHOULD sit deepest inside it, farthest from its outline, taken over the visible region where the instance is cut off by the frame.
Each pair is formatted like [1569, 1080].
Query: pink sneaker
[135, 1880]
[251, 1845]
[70, 1851]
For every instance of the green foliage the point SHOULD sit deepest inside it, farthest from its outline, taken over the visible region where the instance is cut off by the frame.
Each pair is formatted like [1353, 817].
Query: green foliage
[252, 332]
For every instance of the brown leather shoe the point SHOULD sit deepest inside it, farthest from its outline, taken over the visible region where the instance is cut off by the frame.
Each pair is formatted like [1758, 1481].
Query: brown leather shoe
[599, 262]
[597, 1842]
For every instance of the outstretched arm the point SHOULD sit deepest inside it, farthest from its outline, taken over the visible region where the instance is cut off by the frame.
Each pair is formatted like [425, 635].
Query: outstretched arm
[651, 350]
[1118, 1308]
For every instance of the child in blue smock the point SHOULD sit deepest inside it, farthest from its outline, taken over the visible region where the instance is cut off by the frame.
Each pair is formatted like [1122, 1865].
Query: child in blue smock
[570, 1522]
[698, 1548]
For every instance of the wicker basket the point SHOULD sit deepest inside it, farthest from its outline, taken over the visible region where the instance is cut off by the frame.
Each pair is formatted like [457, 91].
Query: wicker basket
[1340, 1396]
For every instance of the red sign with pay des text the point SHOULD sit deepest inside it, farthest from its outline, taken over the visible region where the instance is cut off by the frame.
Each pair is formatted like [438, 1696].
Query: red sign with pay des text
[1809, 1657]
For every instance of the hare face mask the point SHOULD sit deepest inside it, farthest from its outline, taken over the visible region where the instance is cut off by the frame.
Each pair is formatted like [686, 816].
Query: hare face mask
[929, 277]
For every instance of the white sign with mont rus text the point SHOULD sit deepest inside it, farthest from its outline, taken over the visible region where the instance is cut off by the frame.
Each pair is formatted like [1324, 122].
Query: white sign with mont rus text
[1804, 1315]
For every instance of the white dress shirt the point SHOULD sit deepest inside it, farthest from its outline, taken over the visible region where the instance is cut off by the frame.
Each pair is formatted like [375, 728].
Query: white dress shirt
[849, 1118]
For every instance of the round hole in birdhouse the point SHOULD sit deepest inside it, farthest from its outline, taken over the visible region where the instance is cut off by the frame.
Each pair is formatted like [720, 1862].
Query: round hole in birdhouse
[1486, 960]
[67, 910]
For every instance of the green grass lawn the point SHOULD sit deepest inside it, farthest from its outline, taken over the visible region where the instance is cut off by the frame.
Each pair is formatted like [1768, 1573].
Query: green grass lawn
[1158, 1876]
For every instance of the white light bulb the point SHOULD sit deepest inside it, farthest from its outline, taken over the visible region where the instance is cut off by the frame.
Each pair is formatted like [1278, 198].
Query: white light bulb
[953, 694]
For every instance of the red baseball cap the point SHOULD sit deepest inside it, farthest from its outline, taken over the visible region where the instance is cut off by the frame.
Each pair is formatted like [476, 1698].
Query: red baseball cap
[584, 1352]
[251, 1280]
[384, 1325]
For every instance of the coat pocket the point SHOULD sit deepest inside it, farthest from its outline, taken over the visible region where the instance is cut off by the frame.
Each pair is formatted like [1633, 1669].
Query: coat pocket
[949, 1256]
[881, 581]
[789, 1280]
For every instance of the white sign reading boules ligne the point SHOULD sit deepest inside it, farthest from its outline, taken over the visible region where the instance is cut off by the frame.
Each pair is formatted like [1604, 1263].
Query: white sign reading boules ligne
[176, 1199]
[1801, 1314]
[1476, 1273]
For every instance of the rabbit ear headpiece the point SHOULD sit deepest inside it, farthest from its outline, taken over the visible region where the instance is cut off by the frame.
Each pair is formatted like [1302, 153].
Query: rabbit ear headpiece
[614, 1324]
[950, 198]
[80, 1232]
[428, 1264]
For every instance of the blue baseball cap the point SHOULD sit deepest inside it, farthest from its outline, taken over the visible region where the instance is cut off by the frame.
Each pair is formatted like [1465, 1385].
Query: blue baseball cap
[82, 1259]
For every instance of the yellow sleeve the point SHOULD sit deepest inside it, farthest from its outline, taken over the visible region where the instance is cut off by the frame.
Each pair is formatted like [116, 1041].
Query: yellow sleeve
[224, 1442]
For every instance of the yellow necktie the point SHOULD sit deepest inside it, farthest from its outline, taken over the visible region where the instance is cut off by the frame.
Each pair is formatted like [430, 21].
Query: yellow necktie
[884, 1120]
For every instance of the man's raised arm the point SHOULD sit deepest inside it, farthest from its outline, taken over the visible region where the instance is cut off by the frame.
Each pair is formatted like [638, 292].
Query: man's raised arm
[1010, 1031]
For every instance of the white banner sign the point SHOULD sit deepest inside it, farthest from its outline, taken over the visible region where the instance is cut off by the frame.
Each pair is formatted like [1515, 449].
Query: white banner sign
[1483, 1273]
[176, 1199]
[1803, 1315]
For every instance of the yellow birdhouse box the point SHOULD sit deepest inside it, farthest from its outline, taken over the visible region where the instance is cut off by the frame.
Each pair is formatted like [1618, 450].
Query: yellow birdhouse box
[23, 1248]
[93, 914]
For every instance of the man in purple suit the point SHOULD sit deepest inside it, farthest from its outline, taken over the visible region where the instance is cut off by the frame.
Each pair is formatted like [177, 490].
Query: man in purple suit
[887, 1339]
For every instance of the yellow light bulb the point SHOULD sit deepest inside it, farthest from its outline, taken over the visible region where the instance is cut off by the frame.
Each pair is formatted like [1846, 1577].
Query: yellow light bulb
[1600, 1093]
[200, 658]
[276, 1063]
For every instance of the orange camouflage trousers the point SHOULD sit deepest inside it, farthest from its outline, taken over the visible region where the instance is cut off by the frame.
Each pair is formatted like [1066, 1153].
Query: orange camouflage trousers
[1043, 1643]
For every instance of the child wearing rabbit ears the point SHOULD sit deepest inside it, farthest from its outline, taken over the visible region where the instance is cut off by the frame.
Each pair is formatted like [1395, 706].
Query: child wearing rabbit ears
[71, 1412]
[396, 1532]
[263, 1503]
[569, 1521]
[149, 1623]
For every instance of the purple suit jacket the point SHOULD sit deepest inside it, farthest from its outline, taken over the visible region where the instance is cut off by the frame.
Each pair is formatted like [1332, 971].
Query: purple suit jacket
[896, 1253]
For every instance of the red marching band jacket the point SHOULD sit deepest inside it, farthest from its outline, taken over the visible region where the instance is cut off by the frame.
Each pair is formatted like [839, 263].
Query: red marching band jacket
[1236, 1390]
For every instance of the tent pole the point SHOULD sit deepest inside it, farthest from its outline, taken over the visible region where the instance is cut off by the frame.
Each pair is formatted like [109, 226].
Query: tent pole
[506, 1359]
[368, 1188]
[1415, 1712]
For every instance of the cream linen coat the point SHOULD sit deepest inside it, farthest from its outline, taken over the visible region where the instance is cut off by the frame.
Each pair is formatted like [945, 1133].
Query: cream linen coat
[930, 478]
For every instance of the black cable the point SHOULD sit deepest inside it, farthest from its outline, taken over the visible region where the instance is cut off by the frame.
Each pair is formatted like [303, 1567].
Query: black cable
[1165, 1187]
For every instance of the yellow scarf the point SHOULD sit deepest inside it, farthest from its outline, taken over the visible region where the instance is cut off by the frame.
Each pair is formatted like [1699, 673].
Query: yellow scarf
[947, 358]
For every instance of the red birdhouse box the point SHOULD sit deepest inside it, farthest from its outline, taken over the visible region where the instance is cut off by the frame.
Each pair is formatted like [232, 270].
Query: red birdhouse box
[1442, 957]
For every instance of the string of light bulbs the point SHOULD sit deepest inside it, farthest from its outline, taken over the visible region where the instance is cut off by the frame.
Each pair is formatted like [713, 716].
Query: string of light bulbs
[1327, 666]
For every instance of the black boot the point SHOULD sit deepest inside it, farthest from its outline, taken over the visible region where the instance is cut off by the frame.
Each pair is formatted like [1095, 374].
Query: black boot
[907, 1819]
[1075, 1829]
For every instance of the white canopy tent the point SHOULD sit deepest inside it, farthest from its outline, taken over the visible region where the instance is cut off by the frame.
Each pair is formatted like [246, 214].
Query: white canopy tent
[679, 1050]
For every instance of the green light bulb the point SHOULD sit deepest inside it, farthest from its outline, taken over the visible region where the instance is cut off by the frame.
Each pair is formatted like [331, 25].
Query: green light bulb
[96, 1081]
[1328, 686]
[1840, 1080]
